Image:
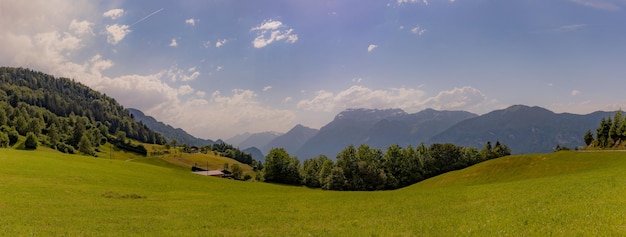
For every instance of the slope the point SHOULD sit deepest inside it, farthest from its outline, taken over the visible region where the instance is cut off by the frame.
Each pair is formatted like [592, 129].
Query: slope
[169, 132]
[51, 194]
[44, 100]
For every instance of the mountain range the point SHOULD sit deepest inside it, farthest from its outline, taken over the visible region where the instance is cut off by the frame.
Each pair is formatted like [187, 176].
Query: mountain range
[523, 128]
[169, 132]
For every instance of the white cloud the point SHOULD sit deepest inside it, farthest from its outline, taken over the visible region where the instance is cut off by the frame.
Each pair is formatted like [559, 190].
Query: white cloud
[357, 80]
[287, 99]
[206, 44]
[220, 42]
[361, 97]
[575, 92]
[572, 27]
[115, 33]
[190, 22]
[270, 31]
[400, 2]
[44, 35]
[81, 27]
[408, 99]
[464, 98]
[267, 88]
[418, 30]
[114, 13]
[174, 43]
[219, 68]
[371, 47]
[176, 74]
[599, 4]
[185, 90]
[98, 64]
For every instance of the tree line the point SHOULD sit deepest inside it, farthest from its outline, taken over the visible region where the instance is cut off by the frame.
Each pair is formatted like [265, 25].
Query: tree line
[610, 133]
[64, 115]
[366, 169]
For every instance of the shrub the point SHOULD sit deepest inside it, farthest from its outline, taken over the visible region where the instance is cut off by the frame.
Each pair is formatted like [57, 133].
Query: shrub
[31, 141]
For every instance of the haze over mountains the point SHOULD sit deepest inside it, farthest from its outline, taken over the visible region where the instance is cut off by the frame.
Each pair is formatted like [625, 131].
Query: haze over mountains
[169, 132]
[524, 129]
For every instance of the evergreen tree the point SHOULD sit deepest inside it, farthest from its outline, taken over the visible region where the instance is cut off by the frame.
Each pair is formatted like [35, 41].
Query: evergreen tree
[588, 137]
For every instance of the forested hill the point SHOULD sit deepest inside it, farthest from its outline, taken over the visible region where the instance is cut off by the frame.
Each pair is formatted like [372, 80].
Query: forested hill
[33, 101]
[170, 133]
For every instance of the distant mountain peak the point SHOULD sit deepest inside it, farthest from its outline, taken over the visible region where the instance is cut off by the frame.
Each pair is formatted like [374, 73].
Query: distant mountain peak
[516, 108]
[369, 114]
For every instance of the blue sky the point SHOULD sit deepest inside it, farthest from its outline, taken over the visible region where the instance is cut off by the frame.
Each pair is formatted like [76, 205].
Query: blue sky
[220, 68]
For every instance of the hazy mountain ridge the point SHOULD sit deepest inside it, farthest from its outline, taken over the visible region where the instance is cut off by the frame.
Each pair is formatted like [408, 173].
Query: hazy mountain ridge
[378, 129]
[258, 139]
[292, 140]
[524, 129]
[169, 132]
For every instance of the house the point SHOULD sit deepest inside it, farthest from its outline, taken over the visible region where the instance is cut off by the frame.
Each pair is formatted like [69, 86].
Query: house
[214, 173]
[194, 149]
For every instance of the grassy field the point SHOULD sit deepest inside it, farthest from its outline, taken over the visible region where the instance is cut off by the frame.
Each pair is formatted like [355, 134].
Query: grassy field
[46, 193]
[174, 159]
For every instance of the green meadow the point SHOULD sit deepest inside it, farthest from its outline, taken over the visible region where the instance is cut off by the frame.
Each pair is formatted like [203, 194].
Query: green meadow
[47, 193]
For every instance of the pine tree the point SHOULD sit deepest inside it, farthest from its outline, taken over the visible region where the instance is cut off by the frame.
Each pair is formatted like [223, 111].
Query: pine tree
[588, 137]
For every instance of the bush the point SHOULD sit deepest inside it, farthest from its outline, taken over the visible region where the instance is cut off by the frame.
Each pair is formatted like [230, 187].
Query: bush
[31, 141]
[13, 135]
[62, 147]
[246, 177]
[4, 139]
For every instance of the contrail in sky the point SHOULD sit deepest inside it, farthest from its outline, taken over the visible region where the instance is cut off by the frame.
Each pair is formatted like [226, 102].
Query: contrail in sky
[146, 17]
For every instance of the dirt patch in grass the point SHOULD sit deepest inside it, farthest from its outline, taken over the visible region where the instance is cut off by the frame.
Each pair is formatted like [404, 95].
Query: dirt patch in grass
[116, 195]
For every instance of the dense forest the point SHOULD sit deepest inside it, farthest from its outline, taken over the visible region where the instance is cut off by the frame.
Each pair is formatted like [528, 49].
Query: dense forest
[64, 114]
[367, 169]
[611, 133]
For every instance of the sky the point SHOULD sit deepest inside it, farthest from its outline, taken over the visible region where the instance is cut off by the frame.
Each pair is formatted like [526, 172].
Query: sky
[220, 68]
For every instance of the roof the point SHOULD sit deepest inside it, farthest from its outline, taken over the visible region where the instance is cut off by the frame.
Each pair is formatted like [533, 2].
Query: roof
[210, 173]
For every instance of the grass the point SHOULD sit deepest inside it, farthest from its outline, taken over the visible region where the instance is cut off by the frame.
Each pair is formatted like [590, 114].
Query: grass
[46, 193]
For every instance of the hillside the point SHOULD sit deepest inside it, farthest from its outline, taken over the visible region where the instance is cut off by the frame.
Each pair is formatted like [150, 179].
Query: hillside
[169, 132]
[569, 193]
[525, 129]
[64, 114]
